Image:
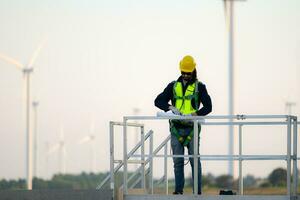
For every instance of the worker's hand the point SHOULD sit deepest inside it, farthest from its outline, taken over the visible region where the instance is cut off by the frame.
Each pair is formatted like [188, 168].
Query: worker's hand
[194, 114]
[174, 110]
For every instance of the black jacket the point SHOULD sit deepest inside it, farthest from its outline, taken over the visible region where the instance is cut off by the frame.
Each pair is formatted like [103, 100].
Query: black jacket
[162, 100]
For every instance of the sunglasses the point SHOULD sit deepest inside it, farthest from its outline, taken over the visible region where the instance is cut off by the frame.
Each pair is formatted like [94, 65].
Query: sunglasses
[186, 73]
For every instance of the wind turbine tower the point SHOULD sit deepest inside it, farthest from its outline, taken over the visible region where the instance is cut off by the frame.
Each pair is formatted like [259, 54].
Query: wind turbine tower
[229, 18]
[27, 71]
[35, 136]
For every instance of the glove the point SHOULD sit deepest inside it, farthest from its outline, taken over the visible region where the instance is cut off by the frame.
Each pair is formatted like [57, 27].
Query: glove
[174, 110]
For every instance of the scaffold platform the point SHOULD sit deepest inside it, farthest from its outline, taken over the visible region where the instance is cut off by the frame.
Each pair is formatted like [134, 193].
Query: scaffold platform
[144, 172]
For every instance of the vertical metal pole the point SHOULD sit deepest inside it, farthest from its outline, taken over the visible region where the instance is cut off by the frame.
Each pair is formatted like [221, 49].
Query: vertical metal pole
[295, 170]
[195, 157]
[241, 185]
[143, 157]
[166, 169]
[111, 142]
[231, 82]
[151, 163]
[288, 168]
[125, 155]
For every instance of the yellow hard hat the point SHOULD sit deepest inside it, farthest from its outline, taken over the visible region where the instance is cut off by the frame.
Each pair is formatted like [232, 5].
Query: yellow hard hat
[187, 64]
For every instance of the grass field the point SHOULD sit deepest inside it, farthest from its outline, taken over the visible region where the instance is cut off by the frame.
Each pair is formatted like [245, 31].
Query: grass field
[247, 191]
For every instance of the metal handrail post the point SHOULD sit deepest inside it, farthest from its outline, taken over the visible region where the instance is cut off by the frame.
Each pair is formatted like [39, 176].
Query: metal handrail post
[195, 157]
[288, 167]
[143, 158]
[151, 164]
[154, 153]
[125, 155]
[241, 185]
[166, 168]
[130, 154]
[111, 140]
[295, 170]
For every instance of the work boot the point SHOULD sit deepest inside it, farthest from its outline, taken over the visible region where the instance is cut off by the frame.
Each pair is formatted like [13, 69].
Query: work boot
[175, 193]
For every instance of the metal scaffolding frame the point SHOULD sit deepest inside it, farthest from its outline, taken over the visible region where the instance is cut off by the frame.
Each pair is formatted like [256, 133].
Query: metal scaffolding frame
[237, 120]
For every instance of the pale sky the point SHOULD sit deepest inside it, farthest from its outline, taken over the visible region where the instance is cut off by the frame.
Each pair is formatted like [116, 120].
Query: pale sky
[103, 58]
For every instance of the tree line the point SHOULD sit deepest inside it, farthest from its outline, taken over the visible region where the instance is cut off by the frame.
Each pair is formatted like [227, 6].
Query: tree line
[84, 180]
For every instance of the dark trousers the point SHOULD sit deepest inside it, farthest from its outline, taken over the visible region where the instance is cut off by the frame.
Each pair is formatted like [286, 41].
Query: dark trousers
[178, 149]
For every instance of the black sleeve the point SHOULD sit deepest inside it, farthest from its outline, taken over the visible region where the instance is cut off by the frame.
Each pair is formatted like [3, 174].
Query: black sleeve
[162, 100]
[205, 100]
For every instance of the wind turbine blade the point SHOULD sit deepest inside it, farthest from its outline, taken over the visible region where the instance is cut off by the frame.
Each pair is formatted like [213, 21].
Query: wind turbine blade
[85, 139]
[35, 54]
[11, 61]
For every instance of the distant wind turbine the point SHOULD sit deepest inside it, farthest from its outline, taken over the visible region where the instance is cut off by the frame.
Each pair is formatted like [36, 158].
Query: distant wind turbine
[27, 70]
[91, 139]
[60, 146]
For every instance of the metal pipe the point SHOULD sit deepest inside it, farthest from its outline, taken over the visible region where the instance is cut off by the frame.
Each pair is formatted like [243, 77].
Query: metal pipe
[143, 158]
[222, 157]
[195, 157]
[241, 185]
[125, 155]
[147, 171]
[154, 153]
[242, 123]
[111, 140]
[208, 117]
[288, 167]
[151, 164]
[130, 154]
[295, 168]
[128, 124]
[166, 168]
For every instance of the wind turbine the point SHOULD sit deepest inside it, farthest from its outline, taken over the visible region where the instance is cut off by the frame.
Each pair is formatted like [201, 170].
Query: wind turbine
[91, 139]
[27, 70]
[61, 147]
[229, 18]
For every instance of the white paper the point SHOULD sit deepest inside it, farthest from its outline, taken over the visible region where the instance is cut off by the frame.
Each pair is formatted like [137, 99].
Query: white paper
[166, 114]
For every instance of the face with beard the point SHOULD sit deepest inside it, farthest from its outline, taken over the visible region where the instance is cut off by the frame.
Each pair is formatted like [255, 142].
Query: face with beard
[187, 76]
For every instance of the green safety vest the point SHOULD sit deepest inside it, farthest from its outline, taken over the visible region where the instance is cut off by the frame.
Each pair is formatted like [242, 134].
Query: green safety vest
[183, 102]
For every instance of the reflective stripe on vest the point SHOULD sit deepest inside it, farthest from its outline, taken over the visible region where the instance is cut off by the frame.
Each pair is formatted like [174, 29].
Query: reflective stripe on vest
[184, 102]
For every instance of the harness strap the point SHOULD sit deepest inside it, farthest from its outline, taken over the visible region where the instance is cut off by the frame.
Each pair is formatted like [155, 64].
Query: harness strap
[184, 140]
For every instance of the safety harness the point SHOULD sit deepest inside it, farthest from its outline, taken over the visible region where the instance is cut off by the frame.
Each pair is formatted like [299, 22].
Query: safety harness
[184, 129]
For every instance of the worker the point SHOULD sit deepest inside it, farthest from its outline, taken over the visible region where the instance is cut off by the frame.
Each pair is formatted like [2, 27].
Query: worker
[187, 96]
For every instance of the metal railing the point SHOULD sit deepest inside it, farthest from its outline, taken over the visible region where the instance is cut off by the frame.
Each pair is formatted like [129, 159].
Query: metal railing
[113, 169]
[237, 120]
